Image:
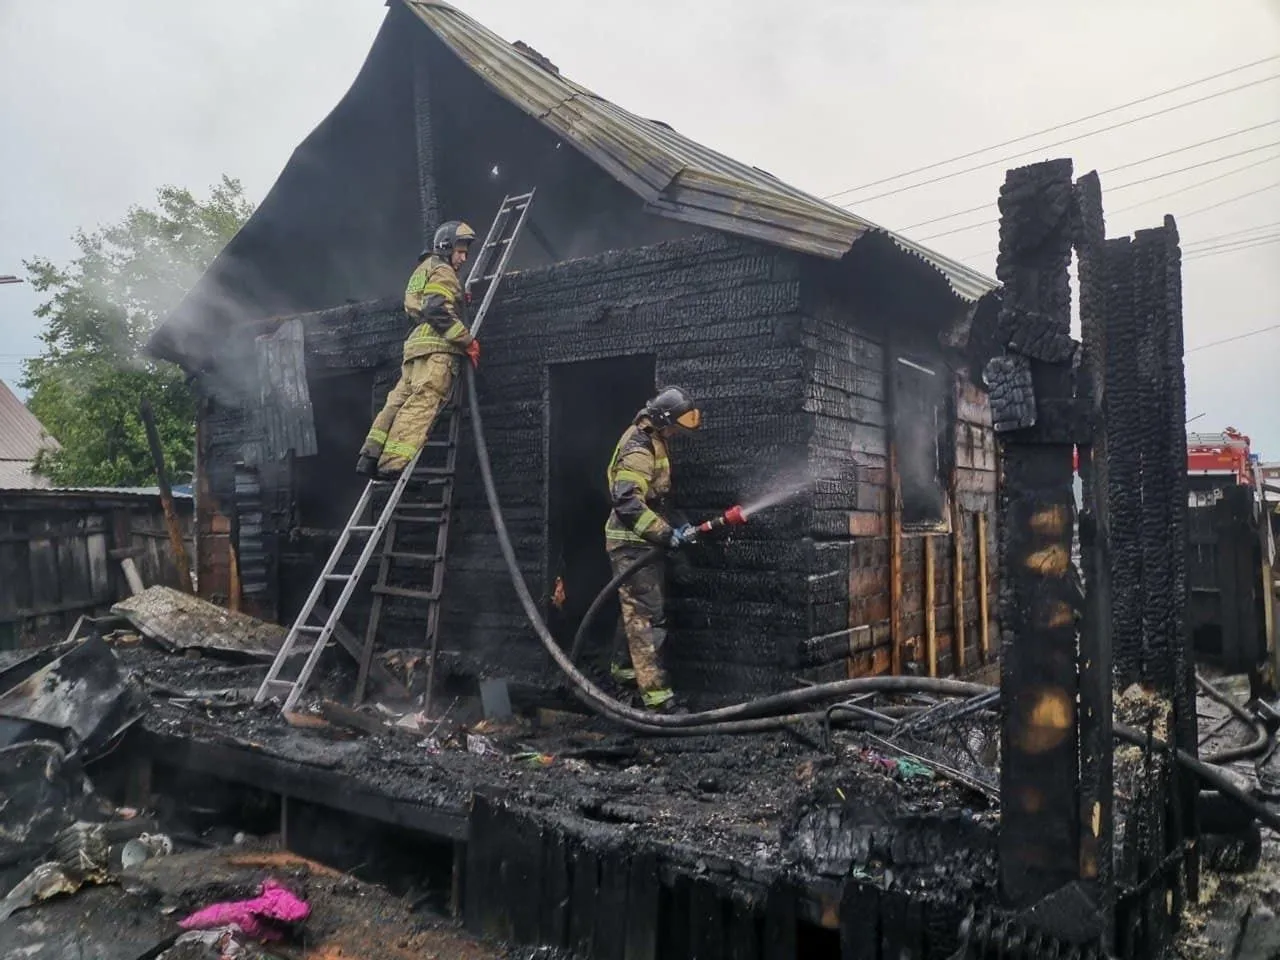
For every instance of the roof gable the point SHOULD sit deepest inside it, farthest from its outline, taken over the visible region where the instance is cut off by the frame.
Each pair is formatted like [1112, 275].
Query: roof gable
[677, 177]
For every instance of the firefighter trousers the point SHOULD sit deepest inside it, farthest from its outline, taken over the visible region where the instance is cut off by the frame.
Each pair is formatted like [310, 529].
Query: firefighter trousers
[644, 619]
[410, 411]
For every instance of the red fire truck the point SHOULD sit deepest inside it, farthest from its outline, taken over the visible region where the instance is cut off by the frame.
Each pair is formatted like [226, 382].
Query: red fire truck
[1220, 454]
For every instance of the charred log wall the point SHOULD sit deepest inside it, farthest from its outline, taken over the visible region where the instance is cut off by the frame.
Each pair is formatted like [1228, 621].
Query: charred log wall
[720, 318]
[891, 608]
[789, 390]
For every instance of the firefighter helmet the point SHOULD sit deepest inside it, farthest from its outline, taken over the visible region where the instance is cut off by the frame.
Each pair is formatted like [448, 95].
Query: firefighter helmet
[672, 407]
[453, 234]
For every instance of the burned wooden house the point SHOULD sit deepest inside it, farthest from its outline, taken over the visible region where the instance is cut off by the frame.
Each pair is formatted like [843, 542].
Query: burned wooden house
[817, 344]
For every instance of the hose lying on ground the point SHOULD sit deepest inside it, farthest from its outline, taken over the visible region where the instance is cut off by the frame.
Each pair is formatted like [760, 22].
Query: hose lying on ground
[1209, 776]
[1261, 738]
[745, 717]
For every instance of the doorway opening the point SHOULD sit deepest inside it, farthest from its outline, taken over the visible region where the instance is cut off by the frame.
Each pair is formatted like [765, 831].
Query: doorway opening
[592, 402]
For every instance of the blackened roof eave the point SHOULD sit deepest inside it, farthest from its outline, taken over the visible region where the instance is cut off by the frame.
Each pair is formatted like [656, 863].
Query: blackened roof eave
[675, 176]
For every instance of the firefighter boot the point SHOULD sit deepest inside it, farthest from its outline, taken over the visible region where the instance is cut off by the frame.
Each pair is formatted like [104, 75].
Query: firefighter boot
[367, 466]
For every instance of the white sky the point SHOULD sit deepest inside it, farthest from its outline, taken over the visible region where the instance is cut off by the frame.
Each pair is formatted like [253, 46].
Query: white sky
[104, 102]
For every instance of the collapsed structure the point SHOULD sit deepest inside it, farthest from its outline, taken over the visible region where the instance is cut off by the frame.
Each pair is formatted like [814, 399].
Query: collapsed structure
[818, 346]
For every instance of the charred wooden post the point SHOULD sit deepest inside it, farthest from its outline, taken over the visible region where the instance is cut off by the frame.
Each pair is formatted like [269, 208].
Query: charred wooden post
[180, 559]
[1032, 406]
[1095, 399]
[1147, 473]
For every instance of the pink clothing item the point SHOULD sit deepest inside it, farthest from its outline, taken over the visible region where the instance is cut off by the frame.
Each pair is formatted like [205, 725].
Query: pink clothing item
[255, 917]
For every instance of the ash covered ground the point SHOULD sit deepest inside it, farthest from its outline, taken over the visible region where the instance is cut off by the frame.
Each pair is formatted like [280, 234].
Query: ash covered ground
[769, 801]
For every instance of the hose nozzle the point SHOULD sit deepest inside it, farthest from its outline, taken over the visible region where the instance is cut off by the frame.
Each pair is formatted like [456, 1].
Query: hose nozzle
[733, 517]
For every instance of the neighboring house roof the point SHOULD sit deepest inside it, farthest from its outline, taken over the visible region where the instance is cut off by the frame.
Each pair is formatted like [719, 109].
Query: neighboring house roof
[677, 177]
[22, 437]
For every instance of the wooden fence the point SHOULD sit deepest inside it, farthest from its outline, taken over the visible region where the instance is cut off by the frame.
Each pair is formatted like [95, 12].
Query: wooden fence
[60, 553]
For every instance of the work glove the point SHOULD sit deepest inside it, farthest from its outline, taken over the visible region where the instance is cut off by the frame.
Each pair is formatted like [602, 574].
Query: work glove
[681, 535]
[473, 351]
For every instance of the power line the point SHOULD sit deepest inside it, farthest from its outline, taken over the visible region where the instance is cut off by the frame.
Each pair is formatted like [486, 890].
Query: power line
[1179, 216]
[1122, 186]
[1132, 183]
[1192, 166]
[1223, 203]
[1158, 176]
[1234, 233]
[1057, 143]
[1192, 146]
[1060, 126]
[1239, 336]
[1192, 186]
[1239, 245]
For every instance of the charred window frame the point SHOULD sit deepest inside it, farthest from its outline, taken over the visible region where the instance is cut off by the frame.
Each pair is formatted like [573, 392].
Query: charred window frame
[921, 416]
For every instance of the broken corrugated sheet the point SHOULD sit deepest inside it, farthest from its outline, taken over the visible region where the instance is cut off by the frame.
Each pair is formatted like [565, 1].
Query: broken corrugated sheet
[284, 414]
[81, 700]
[182, 622]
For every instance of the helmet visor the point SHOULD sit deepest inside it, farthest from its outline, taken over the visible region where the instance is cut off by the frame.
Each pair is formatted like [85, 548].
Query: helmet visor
[690, 419]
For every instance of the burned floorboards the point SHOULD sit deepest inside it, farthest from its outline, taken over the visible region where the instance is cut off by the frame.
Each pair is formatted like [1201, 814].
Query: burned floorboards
[618, 848]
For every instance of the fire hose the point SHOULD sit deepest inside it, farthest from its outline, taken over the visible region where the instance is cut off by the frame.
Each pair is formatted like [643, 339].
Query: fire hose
[733, 517]
[763, 713]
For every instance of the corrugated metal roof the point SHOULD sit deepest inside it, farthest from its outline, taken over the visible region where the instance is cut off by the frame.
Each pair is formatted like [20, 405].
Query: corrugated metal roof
[133, 493]
[677, 177]
[21, 434]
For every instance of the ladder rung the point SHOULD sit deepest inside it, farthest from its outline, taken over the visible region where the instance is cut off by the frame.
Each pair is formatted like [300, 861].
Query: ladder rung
[361, 529]
[436, 472]
[400, 518]
[439, 443]
[337, 577]
[405, 555]
[278, 686]
[307, 628]
[407, 592]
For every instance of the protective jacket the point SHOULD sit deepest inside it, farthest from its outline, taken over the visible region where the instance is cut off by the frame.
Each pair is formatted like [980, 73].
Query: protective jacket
[434, 296]
[639, 480]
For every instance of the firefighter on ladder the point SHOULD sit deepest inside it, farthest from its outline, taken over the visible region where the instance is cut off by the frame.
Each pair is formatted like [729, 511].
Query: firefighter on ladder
[435, 299]
[640, 481]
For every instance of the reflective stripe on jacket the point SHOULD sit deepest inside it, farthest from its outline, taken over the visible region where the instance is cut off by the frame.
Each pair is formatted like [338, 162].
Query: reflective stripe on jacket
[434, 295]
[639, 479]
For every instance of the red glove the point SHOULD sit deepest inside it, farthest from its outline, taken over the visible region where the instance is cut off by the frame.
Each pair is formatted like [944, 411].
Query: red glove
[473, 351]
[467, 295]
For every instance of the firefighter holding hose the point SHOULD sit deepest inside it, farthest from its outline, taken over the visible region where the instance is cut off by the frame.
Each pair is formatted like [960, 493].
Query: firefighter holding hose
[434, 298]
[639, 485]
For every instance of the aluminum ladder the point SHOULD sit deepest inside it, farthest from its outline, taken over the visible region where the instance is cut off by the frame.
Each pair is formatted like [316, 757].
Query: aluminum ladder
[488, 267]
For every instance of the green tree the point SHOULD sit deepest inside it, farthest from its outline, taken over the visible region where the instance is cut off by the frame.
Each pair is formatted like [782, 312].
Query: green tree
[87, 383]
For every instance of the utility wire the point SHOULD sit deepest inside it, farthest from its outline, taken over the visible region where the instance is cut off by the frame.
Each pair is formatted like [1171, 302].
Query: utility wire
[1192, 146]
[1223, 203]
[1192, 186]
[1057, 143]
[1169, 173]
[1121, 186]
[1239, 336]
[1191, 166]
[1236, 247]
[1178, 216]
[1227, 236]
[1059, 126]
